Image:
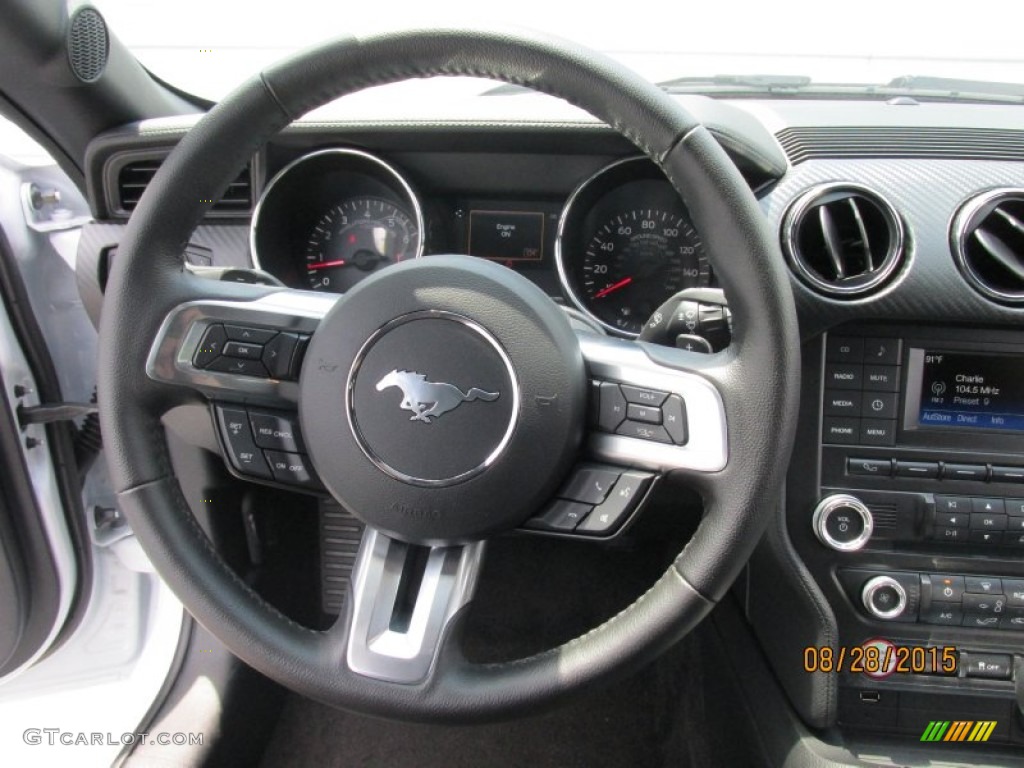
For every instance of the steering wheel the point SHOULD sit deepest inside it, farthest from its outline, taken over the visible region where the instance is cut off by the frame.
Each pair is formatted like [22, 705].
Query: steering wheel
[469, 470]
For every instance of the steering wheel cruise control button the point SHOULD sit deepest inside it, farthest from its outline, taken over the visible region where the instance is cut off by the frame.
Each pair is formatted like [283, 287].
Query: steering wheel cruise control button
[292, 468]
[275, 432]
[243, 453]
[211, 347]
[607, 517]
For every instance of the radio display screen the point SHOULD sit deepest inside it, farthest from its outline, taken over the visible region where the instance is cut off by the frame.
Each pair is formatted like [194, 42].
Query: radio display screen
[971, 391]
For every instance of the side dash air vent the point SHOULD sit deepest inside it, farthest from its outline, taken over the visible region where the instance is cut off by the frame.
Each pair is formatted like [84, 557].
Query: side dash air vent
[988, 243]
[134, 176]
[842, 239]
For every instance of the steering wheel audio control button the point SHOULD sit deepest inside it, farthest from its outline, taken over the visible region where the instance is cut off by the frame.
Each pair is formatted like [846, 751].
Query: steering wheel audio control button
[643, 431]
[242, 451]
[643, 396]
[211, 347]
[644, 413]
[279, 356]
[623, 499]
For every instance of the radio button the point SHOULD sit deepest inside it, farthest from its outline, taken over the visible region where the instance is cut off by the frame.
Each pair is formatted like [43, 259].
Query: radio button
[985, 522]
[840, 402]
[989, 538]
[839, 376]
[879, 405]
[953, 519]
[1014, 507]
[883, 378]
[843, 349]
[940, 533]
[924, 469]
[965, 472]
[869, 467]
[988, 506]
[958, 504]
[1008, 474]
[877, 432]
[882, 351]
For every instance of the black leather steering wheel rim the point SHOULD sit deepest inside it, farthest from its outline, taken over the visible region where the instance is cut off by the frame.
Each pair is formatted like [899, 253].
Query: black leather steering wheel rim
[757, 376]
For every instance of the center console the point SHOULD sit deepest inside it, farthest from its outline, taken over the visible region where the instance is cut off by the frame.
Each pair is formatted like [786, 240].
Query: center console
[911, 523]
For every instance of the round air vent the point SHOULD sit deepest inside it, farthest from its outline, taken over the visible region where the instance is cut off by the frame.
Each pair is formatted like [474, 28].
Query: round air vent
[842, 239]
[88, 44]
[988, 243]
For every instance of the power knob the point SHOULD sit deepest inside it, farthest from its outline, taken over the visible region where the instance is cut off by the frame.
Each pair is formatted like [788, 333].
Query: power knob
[842, 522]
[884, 597]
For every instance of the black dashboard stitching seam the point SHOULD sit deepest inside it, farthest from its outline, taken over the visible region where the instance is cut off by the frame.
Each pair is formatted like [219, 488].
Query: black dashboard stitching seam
[544, 655]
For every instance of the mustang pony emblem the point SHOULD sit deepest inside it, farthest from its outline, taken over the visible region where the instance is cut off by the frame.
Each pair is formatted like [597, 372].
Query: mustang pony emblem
[428, 399]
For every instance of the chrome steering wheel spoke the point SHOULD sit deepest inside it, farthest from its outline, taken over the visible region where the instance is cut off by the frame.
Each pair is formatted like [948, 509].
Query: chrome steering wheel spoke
[403, 600]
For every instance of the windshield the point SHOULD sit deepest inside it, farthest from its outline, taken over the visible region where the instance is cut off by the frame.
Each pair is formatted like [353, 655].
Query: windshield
[207, 47]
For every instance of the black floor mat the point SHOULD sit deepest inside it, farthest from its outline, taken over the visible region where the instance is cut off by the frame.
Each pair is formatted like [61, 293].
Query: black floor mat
[680, 711]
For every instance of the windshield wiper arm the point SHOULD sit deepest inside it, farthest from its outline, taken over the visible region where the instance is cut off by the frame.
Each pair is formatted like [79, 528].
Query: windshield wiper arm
[760, 82]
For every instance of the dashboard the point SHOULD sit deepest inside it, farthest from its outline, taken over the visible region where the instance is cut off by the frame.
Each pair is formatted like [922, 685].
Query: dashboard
[903, 225]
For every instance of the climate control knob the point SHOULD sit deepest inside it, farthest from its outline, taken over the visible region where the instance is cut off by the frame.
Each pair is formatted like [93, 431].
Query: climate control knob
[884, 597]
[842, 522]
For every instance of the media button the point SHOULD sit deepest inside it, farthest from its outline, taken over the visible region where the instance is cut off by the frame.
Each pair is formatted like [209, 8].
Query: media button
[940, 533]
[840, 402]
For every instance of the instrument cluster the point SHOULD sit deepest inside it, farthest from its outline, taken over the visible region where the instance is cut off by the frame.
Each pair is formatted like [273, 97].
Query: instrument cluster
[619, 246]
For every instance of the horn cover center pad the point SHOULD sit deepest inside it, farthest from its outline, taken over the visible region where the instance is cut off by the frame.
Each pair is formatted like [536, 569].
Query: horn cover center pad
[443, 399]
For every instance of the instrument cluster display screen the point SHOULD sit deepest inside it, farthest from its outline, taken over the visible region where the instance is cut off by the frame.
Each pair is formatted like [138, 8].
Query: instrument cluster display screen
[971, 391]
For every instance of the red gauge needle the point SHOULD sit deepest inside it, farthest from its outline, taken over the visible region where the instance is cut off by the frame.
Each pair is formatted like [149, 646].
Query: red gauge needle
[613, 287]
[326, 264]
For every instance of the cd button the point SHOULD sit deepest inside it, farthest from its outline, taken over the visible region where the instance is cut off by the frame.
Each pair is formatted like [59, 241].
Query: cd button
[844, 349]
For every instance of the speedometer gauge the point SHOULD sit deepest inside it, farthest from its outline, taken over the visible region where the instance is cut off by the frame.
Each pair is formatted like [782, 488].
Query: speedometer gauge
[635, 260]
[356, 237]
[626, 245]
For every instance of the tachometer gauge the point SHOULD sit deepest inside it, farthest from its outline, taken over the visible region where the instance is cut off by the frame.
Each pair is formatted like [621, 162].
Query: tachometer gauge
[356, 237]
[635, 261]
